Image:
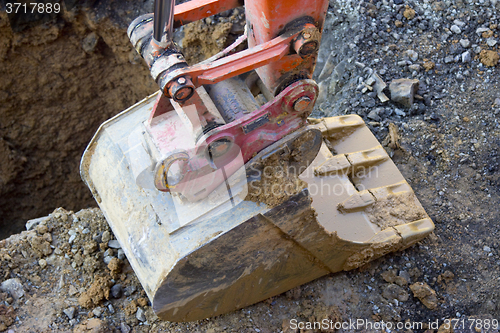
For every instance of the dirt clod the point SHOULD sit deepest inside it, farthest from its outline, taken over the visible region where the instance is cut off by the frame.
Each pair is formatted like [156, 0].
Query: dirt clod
[131, 308]
[98, 291]
[115, 266]
[409, 13]
[425, 294]
[489, 58]
[7, 316]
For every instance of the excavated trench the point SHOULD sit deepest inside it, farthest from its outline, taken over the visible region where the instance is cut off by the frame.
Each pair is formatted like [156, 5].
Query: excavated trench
[61, 76]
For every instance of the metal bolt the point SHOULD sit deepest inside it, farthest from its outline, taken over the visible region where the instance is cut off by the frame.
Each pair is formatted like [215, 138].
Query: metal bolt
[183, 93]
[306, 35]
[181, 80]
[302, 104]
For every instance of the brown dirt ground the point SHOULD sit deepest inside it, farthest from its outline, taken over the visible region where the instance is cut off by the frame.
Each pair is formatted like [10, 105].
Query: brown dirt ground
[59, 82]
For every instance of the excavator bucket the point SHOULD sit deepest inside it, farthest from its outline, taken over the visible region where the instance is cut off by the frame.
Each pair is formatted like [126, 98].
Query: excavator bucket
[245, 242]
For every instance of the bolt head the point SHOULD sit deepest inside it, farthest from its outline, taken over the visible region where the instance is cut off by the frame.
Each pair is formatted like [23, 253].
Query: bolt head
[181, 80]
[302, 104]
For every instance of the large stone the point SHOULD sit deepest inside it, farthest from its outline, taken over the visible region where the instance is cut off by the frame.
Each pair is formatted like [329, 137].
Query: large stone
[14, 287]
[403, 91]
[31, 224]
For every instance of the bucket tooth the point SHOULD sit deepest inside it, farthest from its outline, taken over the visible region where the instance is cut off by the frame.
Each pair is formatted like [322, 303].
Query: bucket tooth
[394, 189]
[367, 157]
[335, 164]
[414, 231]
[357, 200]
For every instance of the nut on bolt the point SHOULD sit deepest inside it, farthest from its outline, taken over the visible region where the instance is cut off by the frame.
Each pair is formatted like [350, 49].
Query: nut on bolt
[181, 89]
[301, 104]
[305, 45]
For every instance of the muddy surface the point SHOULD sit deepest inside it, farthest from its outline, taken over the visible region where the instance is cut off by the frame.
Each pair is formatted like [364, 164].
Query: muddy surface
[446, 145]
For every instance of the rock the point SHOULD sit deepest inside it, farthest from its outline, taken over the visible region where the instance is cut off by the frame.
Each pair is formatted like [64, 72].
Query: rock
[488, 58]
[129, 290]
[42, 263]
[459, 23]
[454, 28]
[491, 42]
[114, 244]
[70, 312]
[399, 112]
[465, 43]
[14, 287]
[412, 55]
[479, 31]
[497, 102]
[97, 311]
[116, 291]
[486, 249]
[392, 291]
[403, 91]
[140, 315]
[111, 309]
[72, 290]
[41, 229]
[405, 276]
[328, 67]
[389, 276]
[108, 259]
[90, 42]
[124, 328]
[425, 294]
[106, 236]
[466, 56]
[456, 48]
[379, 86]
[448, 59]
[33, 223]
[415, 67]
[367, 102]
[121, 254]
[447, 276]
[401, 280]
[374, 115]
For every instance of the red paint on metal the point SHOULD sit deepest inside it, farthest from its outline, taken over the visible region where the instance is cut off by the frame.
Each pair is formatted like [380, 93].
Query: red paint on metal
[196, 10]
[237, 63]
[267, 18]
